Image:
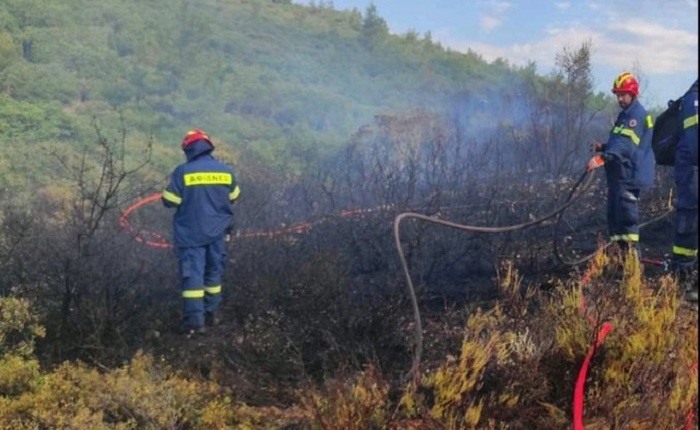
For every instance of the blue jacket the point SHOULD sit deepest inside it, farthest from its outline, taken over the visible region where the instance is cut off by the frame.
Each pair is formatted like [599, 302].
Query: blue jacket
[629, 158]
[202, 190]
[687, 146]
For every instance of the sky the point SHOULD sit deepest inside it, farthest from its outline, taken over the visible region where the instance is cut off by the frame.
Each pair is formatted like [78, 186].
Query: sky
[655, 39]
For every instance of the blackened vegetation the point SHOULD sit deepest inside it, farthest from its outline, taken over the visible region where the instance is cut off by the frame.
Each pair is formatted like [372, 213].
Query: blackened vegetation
[302, 304]
[328, 297]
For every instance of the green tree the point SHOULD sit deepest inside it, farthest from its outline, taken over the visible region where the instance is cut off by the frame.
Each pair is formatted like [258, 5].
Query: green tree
[8, 52]
[374, 28]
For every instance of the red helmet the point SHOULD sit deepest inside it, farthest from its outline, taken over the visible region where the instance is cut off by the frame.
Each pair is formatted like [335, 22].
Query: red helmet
[626, 83]
[195, 135]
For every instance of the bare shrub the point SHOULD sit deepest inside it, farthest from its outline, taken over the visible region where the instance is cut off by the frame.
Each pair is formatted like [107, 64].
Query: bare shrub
[72, 261]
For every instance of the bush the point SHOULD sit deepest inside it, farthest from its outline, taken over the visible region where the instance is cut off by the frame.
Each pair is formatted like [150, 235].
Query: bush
[520, 371]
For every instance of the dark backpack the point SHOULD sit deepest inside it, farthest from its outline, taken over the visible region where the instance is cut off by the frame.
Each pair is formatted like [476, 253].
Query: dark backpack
[666, 132]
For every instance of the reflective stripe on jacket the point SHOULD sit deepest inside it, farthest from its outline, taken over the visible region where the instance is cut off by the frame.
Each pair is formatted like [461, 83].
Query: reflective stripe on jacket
[629, 158]
[202, 190]
[687, 146]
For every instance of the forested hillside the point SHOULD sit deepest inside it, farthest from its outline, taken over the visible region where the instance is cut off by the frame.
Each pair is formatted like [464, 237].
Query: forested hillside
[334, 127]
[271, 79]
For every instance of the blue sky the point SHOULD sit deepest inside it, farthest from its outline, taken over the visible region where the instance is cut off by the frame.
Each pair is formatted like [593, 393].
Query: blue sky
[656, 39]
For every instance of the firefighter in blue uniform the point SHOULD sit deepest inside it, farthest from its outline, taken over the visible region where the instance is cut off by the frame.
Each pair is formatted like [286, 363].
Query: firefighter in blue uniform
[629, 163]
[202, 190]
[685, 172]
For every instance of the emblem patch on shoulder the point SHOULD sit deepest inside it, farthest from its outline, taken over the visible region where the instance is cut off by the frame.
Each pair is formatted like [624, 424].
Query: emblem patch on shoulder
[633, 122]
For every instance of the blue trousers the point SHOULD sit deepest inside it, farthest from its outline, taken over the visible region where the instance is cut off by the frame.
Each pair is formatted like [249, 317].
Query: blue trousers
[685, 240]
[201, 269]
[623, 214]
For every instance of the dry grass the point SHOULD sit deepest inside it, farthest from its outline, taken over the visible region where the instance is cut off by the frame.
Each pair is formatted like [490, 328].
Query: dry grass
[515, 368]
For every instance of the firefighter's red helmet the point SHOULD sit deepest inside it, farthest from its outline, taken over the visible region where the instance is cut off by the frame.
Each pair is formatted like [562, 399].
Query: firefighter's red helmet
[195, 135]
[626, 83]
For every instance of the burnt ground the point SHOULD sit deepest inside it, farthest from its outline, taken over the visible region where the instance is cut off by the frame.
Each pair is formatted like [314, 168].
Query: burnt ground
[450, 271]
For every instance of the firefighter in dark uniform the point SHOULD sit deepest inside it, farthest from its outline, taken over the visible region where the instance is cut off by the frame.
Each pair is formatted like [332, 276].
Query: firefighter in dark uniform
[629, 163]
[685, 172]
[202, 190]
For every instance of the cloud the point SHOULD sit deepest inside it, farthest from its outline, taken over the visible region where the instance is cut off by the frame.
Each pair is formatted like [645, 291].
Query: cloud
[594, 6]
[657, 49]
[488, 23]
[493, 14]
[497, 7]
[542, 52]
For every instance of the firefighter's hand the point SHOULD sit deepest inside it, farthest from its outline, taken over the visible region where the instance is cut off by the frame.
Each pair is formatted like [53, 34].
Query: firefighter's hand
[596, 146]
[595, 162]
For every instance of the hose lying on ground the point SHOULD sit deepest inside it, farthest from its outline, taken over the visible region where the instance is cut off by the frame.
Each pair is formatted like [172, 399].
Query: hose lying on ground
[557, 236]
[584, 182]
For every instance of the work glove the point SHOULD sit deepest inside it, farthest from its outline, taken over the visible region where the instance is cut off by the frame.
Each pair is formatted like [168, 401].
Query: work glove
[595, 162]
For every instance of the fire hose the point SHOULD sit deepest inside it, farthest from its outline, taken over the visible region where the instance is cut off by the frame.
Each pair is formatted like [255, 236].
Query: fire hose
[155, 240]
[577, 191]
[576, 262]
[584, 182]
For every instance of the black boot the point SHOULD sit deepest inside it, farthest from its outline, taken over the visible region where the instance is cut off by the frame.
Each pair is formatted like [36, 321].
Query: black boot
[189, 331]
[211, 319]
[688, 283]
